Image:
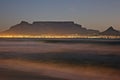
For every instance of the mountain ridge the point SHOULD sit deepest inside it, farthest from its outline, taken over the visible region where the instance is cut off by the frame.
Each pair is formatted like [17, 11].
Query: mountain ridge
[55, 28]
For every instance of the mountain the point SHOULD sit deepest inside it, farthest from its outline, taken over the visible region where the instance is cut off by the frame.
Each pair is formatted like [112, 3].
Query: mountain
[49, 27]
[110, 31]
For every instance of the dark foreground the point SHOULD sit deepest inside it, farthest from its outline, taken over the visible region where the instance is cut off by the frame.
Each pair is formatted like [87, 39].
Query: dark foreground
[9, 74]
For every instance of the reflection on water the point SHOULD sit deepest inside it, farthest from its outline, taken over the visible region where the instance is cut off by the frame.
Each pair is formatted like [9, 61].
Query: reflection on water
[40, 60]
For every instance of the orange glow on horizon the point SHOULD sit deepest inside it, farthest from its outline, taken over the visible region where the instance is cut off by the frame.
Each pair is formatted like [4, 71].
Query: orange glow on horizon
[59, 36]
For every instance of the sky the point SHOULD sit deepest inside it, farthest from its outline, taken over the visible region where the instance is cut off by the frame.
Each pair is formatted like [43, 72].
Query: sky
[92, 14]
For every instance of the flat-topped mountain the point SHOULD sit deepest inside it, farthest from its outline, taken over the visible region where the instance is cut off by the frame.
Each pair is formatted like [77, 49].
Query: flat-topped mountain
[110, 31]
[49, 27]
[55, 28]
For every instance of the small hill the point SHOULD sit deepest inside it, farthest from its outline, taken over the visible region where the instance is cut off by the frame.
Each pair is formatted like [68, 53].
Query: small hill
[110, 31]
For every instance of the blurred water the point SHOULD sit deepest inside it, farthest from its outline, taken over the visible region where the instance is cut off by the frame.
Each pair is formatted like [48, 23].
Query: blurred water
[70, 57]
[30, 46]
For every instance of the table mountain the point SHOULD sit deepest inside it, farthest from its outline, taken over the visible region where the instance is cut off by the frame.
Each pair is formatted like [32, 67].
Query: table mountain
[49, 27]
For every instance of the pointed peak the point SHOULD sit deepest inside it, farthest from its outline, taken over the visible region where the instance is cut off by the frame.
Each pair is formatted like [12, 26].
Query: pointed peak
[110, 31]
[111, 28]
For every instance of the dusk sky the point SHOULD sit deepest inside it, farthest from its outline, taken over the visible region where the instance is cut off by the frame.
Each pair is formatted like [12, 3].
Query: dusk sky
[92, 14]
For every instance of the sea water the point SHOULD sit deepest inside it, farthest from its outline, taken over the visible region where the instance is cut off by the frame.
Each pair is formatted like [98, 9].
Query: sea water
[32, 59]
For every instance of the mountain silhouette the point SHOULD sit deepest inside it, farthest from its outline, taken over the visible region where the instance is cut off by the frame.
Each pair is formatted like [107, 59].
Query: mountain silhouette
[49, 27]
[110, 31]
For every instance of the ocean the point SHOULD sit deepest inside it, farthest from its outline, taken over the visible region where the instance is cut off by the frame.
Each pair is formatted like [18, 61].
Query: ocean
[59, 59]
